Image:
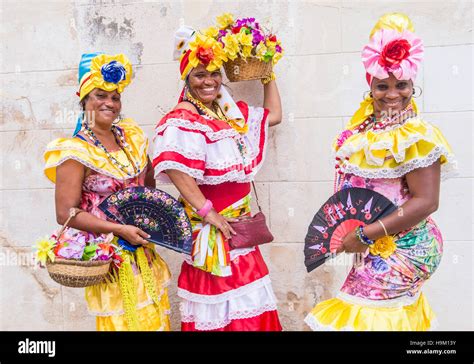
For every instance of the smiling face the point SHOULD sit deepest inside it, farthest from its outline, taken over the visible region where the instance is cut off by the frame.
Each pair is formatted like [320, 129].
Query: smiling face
[103, 106]
[204, 85]
[390, 95]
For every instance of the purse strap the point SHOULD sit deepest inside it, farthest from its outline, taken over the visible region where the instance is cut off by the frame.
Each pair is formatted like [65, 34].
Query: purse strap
[73, 211]
[256, 196]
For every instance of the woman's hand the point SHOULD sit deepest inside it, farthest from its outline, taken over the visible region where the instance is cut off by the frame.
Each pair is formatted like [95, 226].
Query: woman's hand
[221, 222]
[132, 234]
[351, 244]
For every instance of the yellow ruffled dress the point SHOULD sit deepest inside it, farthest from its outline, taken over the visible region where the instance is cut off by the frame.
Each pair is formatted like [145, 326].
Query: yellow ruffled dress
[135, 296]
[384, 293]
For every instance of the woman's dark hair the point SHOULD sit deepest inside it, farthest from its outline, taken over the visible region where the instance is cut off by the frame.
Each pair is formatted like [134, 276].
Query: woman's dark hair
[82, 103]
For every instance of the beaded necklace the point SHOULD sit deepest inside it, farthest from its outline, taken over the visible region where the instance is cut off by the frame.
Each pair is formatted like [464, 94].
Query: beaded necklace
[217, 114]
[124, 146]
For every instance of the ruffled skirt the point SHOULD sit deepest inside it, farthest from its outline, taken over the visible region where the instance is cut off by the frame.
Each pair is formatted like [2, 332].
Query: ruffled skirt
[243, 301]
[110, 303]
[338, 314]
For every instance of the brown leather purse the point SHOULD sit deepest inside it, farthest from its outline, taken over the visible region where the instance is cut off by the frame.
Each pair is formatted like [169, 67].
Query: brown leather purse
[251, 231]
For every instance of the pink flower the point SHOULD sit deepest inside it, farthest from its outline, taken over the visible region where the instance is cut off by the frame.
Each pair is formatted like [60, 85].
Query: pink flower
[357, 182]
[343, 136]
[392, 52]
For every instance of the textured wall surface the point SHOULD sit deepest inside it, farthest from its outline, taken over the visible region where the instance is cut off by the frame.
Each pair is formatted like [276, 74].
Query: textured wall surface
[321, 79]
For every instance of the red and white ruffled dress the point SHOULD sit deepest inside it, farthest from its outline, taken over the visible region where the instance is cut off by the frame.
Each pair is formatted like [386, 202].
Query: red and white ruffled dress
[223, 162]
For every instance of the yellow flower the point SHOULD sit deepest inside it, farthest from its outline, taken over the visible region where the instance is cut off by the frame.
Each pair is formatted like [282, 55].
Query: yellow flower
[211, 32]
[44, 250]
[231, 46]
[384, 246]
[244, 38]
[208, 51]
[225, 20]
[246, 51]
[271, 46]
[276, 57]
[261, 50]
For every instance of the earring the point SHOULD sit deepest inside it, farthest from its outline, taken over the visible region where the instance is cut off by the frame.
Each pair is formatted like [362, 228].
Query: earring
[414, 91]
[118, 120]
[364, 95]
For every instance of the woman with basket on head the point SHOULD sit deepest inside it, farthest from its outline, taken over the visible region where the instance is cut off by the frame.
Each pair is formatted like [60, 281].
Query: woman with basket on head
[388, 148]
[107, 154]
[211, 149]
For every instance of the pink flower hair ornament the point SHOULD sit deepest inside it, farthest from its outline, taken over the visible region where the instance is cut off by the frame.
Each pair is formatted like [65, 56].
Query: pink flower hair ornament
[390, 51]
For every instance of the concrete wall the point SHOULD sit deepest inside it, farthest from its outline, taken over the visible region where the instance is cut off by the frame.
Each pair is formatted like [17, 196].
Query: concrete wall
[321, 79]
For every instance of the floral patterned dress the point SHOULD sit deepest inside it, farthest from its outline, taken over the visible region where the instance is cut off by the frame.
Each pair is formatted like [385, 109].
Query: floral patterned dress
[385, 294]
[142, 304]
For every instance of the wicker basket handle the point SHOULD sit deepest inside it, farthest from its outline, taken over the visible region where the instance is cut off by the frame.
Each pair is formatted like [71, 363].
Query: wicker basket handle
[73, 211]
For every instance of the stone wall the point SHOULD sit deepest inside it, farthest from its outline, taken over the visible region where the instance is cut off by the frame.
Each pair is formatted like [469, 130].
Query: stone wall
[322, 81]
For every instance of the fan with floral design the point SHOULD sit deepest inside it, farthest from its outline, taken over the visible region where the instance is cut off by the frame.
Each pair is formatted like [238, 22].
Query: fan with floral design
[155, 212]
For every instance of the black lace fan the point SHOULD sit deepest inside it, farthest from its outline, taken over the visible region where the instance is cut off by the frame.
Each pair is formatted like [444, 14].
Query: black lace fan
[339, 215]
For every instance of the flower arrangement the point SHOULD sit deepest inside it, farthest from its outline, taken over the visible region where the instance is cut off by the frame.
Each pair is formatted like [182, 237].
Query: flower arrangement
[206, 50]
[245, 38]
[111, 72]
[77, 245]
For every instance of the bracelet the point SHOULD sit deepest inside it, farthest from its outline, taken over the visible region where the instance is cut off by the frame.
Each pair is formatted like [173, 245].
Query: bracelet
[269, 78]
[203, 211]
[359, 231]
[383, 226]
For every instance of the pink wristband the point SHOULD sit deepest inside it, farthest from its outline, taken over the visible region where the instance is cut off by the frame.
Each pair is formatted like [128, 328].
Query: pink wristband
[203, 211]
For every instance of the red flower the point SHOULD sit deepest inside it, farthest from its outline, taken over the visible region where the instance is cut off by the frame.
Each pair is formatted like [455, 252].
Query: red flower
[272, 38]
[205, 55]
[394, 52]
[236, 30]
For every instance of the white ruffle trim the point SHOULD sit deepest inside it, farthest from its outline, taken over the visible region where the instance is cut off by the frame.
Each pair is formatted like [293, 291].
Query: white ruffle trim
[232, 176]
[212, 135]
[163, 166]
[211, 316]
[226, 296]
[449, 169]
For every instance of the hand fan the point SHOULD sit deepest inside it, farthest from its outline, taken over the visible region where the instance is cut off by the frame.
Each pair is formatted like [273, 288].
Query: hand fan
[339, 215]
[155, 212]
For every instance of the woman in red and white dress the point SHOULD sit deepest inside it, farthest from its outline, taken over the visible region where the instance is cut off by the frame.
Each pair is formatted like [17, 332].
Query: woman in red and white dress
[211, 149]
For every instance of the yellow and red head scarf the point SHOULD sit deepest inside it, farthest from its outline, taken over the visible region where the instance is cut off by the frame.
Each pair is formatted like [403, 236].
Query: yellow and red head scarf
[193, 48]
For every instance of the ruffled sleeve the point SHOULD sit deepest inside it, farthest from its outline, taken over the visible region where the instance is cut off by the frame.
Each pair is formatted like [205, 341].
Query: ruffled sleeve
[256, 137]
[62, 149]
[209, 150]
[392, 153]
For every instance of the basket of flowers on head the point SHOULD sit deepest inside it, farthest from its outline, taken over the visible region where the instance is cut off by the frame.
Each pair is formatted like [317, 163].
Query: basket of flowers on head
[251, 51]
[76, 258]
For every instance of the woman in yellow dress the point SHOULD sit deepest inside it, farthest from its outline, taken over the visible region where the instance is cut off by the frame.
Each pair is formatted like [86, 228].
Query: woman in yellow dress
[107, 154]
[387, 147]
